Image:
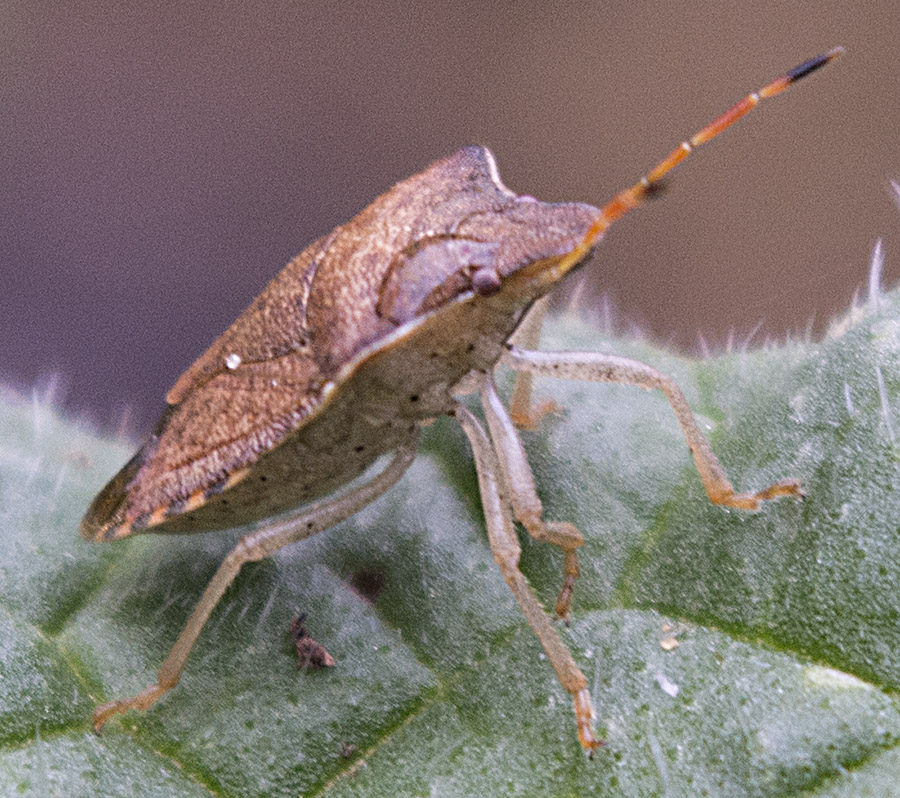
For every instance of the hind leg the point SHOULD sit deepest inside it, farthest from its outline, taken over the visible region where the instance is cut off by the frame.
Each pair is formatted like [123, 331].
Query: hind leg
[252, 547]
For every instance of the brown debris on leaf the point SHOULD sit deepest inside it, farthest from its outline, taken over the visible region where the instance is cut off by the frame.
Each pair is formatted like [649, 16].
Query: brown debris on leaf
[310, 653]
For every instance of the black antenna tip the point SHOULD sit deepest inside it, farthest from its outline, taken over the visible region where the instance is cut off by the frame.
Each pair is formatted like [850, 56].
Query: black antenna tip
[813, 64]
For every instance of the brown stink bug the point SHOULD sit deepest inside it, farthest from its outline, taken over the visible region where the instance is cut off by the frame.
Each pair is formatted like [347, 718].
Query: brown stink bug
[371, 332]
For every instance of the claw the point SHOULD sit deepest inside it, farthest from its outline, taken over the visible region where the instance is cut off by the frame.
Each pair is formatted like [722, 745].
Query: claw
[751, 500]
[142, 701]
[584, 717]
[531, 418]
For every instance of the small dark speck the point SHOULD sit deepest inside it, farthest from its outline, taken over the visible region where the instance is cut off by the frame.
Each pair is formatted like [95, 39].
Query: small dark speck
[263, 478]
[368, 582]
[359, 449]
[414, 398]
[470, 348]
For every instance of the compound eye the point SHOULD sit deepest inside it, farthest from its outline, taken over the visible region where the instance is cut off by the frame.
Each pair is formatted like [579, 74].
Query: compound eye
[486, 281]
[432, 272]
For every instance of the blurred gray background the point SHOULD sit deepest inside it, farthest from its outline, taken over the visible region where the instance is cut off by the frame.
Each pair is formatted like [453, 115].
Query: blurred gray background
[159, 163]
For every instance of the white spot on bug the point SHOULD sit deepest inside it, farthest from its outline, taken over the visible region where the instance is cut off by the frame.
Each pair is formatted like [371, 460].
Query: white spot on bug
[274, 383]
[233, 361]
[876, 267]
[885, 403]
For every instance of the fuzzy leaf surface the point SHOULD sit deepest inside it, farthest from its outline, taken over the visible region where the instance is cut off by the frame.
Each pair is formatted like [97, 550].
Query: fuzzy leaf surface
[787, 621]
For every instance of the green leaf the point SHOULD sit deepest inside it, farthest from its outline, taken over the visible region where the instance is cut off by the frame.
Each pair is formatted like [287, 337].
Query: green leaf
[783, 681]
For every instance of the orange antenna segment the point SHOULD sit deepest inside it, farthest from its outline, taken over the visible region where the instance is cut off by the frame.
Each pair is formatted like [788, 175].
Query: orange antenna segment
[631, 198]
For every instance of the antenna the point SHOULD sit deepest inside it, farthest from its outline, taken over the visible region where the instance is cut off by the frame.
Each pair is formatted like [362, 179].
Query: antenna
[651, 183]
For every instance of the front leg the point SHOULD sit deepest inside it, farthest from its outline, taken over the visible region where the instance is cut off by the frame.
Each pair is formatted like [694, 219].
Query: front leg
[522, 409]
[597, 367]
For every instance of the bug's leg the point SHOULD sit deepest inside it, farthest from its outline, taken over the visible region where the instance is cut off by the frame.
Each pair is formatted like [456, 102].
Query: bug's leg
[252, 547]
[519, 483]
[506, 550]
[524, 413]
[598, 367]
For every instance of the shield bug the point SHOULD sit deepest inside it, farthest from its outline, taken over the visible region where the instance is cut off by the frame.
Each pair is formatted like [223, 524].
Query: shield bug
[371, 332]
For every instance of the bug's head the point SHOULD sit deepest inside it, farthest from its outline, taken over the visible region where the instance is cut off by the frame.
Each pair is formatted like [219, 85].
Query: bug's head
[490, 242]
[538, 243]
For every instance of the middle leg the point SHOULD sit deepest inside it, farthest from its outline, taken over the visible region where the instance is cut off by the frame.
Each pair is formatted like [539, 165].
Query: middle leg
[519, 483]
[506, 550]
